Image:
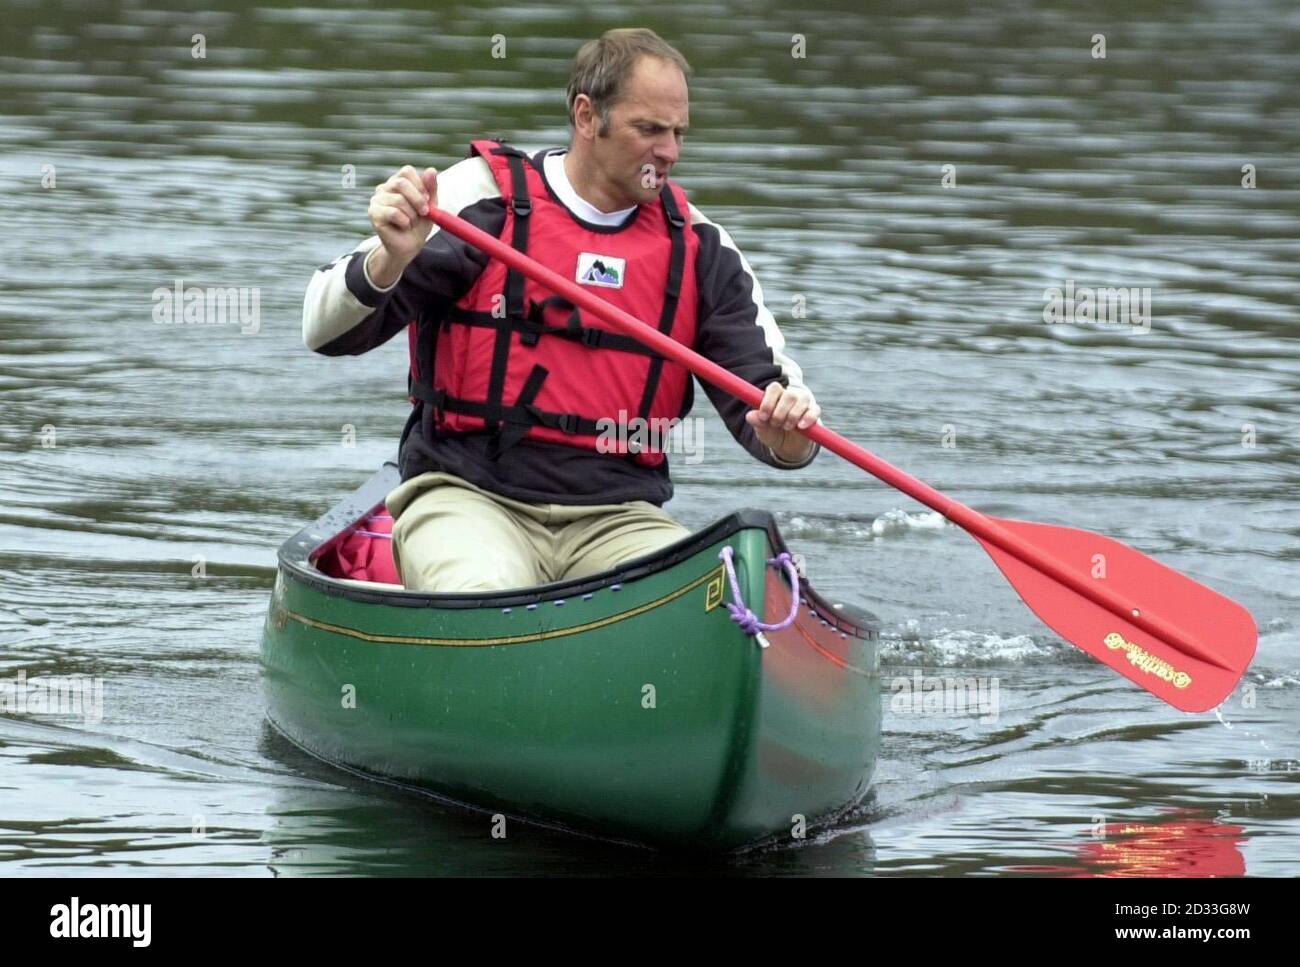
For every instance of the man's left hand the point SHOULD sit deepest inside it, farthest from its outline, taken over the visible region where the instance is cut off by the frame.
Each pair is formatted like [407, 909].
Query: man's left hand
[780, 417]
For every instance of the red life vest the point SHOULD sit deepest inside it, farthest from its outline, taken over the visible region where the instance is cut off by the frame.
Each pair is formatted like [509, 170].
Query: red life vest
[514, 360]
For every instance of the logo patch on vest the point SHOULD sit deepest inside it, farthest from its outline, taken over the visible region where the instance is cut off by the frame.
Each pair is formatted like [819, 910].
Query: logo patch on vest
[602, 270]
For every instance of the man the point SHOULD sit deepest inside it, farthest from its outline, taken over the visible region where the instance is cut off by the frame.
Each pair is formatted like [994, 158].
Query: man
[505, 480]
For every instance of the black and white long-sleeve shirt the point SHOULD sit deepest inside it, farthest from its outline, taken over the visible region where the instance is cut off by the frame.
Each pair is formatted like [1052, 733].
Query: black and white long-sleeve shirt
[345, 313]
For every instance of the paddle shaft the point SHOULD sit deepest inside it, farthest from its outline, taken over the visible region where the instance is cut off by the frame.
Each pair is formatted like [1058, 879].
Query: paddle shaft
[970, 520]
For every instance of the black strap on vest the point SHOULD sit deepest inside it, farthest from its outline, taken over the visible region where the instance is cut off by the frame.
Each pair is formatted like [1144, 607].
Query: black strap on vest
[515, 428]
[522, 415]
[672, 294]
[533, 326]
[509, 423]
[523, 207]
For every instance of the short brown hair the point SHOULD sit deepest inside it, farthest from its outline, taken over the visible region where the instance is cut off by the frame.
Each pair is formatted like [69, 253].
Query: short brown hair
[603, 66]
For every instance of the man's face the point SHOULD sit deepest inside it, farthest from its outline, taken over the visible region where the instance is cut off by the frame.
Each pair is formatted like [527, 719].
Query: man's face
[644, 138]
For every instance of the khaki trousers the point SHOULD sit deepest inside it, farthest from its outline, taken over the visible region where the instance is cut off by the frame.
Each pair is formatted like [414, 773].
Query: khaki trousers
[449, 535]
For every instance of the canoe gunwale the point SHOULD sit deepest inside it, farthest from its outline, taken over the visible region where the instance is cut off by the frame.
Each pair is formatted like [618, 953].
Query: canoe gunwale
[297, 553]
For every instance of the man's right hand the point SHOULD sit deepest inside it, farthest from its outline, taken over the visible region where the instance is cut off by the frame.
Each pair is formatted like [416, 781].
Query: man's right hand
[399, 213]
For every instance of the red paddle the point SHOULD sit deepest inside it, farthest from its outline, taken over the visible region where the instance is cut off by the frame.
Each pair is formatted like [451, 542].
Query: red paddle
[1178, 639]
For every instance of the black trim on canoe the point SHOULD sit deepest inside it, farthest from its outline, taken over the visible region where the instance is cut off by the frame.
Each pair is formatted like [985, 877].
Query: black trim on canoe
[295, 561]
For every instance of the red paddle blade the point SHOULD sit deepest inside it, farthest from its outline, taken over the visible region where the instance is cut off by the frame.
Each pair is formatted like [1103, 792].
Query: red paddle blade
[1200, 646]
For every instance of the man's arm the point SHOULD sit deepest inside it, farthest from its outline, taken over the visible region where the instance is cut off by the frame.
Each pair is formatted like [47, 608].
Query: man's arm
[349, 309]
[737, 332]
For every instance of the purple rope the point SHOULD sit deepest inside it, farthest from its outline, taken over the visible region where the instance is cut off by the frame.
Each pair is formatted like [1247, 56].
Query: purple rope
[746, 619]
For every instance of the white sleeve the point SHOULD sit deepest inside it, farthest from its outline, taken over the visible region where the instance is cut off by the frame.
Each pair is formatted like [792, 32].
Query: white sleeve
[331, 307]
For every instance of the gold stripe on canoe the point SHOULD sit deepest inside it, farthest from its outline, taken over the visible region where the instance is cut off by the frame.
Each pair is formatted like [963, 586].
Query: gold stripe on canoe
[713, 576]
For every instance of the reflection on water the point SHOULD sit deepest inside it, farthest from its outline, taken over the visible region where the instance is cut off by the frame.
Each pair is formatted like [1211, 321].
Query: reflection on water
[913, 186]
[1179, 843]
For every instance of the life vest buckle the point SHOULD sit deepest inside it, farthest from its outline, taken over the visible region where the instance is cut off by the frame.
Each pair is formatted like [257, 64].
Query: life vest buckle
[523, 207]
[568, 423]
[531, 326]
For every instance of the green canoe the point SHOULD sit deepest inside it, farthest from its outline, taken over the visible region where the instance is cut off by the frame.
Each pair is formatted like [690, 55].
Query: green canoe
[627, 705]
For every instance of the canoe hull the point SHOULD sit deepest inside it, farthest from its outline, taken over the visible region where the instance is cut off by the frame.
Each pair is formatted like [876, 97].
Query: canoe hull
[628, 706]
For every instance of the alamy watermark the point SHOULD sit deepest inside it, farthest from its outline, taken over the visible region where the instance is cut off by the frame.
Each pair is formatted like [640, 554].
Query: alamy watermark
[920, 694]
[53, 695]
[76, 920]
[1105, 306]
[662, 434]
[208, 306]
